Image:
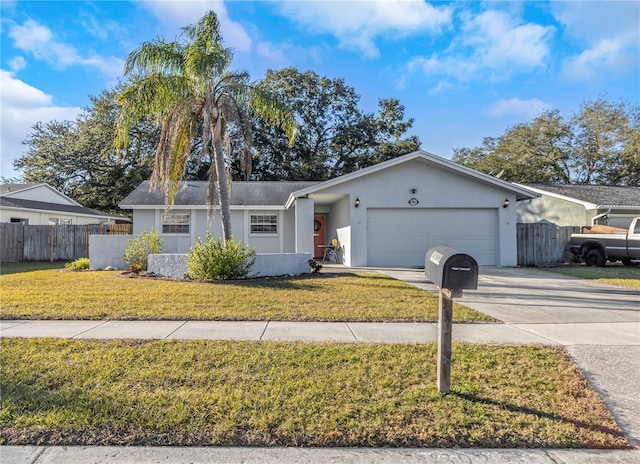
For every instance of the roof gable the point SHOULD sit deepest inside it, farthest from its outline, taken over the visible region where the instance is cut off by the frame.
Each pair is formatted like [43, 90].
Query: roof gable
[521, 192]
[36, 192]
[34, 205]
[592, 196]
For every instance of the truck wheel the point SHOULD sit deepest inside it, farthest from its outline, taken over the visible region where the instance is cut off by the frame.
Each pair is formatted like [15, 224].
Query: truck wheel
[594, 257]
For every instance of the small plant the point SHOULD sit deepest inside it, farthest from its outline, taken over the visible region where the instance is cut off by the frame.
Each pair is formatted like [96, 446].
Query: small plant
[315, 266]
[220, 260]
[79, 264]
[137, 253]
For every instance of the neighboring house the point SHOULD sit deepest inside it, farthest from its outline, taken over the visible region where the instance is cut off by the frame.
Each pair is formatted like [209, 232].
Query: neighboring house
[581, 205]
[41, 204]
[389, 214]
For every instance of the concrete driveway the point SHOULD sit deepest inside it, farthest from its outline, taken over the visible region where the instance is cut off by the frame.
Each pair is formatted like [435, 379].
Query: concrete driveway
[599, 324]
[563, 309]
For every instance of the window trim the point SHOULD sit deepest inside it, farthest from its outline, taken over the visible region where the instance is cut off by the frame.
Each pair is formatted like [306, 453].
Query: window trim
[272, 222]
[60, 221]
[186, 223]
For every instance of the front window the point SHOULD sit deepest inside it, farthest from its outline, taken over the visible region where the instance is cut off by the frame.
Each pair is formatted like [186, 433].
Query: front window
[175, 223]
[59, 221]
[264, 224]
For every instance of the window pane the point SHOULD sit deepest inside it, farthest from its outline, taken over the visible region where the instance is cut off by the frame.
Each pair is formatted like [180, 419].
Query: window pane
[264, 223]
[175, 223]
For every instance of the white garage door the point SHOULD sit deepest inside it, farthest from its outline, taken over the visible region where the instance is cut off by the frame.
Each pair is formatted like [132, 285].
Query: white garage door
[401, 237]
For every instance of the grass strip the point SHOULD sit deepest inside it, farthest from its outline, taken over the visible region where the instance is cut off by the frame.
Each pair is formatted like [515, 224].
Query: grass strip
[623, 276]
[87, 392]
[29, 266]
[54, 294]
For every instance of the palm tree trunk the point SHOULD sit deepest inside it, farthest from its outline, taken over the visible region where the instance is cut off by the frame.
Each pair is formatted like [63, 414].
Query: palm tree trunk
[223, 186]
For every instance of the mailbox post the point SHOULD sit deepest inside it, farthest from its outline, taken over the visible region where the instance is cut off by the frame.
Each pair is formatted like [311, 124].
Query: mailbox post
[452, 272]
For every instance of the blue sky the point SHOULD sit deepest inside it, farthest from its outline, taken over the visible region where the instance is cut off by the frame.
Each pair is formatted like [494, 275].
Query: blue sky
[464, 70]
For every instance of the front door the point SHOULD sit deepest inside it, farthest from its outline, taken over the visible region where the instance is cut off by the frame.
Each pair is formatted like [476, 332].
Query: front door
[319, 235]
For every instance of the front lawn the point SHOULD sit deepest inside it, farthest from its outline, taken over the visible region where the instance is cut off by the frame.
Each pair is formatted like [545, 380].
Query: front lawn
[15, 268]
[80, 392]
[614, 274]
[55, 294]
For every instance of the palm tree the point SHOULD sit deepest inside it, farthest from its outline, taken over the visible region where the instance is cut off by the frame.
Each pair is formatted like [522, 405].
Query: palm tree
[187, 88]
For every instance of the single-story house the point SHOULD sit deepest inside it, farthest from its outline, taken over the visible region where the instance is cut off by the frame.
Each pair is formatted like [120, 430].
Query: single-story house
[389, 214]
[41, 204]
[581, 205]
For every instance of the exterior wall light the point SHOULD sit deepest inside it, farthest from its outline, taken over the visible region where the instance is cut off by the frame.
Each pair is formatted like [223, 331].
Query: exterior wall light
[505, 203]
[357, 203]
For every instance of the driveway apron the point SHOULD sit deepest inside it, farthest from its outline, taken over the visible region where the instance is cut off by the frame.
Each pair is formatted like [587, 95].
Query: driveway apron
[599, 324]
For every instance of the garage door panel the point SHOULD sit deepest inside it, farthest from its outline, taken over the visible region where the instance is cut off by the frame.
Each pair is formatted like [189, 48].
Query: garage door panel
[401, 237]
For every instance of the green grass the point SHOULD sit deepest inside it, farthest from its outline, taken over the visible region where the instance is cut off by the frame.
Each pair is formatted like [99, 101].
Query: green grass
[79, 392]
[54, 294]
[15, 268]
[624, 276]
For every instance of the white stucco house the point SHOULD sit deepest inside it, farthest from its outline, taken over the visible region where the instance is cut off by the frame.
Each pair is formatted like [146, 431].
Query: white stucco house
[41, 204]
[385, 215]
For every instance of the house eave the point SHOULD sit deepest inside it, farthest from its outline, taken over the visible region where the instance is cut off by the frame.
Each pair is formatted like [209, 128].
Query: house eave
[586, 204]
[203, 207]
[62, 213]
[521, 192]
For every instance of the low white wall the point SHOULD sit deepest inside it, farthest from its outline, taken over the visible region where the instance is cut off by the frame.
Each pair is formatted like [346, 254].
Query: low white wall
[266, 264]
[277, 264]
[108, 250]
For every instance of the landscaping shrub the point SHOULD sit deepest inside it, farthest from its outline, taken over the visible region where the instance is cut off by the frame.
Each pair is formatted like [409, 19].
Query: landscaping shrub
[219, 260]
[137, 253]
[79, 264]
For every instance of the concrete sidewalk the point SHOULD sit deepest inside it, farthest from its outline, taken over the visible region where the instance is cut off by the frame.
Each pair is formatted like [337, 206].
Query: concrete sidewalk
[599, 325]
[613, 333]
[213, 455]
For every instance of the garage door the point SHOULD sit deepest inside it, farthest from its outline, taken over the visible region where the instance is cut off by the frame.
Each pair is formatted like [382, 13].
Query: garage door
[401, 237]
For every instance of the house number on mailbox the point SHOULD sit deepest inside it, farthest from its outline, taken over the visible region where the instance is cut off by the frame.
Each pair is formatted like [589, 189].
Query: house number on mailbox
[413, 201]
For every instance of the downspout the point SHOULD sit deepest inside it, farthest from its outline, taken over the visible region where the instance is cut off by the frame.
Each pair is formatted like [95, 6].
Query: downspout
[595, 218]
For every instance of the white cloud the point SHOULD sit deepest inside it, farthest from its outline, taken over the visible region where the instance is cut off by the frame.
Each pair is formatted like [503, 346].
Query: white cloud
[518, 108]
[490, 45]
[22, 107]
[177, 14]
[357, 24]
[17, 64]
[38, 40]
[500, 42]
[607, 55]
[608, 33]
[275, 55]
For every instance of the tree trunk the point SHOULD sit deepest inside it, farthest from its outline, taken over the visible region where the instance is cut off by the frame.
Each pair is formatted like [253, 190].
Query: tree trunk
[222, 184]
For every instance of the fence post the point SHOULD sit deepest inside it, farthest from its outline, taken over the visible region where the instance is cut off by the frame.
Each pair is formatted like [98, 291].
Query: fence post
[52, 232]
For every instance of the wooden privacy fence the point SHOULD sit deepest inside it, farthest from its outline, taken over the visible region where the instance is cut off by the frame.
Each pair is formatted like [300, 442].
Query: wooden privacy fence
[542, 244]
[20, 242]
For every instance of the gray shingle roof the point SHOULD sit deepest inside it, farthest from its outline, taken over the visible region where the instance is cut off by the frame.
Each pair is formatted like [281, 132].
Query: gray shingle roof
[194, 193]
[9, 202]
[601, 195]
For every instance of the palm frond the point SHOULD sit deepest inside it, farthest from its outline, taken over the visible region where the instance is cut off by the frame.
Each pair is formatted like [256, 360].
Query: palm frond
[154, 57]
[151, 98]
[236, 114]
[173, 151]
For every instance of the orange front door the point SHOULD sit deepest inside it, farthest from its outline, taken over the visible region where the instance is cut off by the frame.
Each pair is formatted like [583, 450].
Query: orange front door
[318, 236]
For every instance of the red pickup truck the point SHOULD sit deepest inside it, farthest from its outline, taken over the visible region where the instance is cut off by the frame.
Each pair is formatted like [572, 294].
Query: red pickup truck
[598, 248]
